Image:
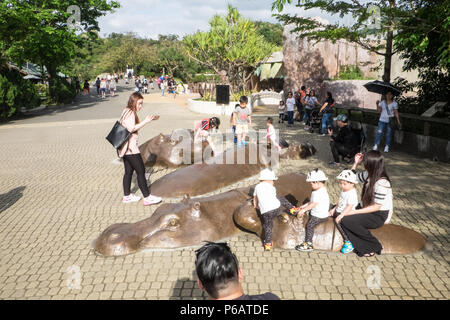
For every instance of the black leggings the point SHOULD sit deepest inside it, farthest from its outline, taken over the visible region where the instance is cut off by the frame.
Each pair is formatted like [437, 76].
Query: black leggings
[311, 225]
[339, 227]
[133, 162]
[308, 116]
[267, 219]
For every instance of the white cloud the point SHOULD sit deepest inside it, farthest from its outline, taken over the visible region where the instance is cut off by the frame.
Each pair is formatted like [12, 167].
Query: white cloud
[148, 18]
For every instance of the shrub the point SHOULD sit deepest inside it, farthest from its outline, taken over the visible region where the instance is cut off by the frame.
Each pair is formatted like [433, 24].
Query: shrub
[16, 93]
[62, 91]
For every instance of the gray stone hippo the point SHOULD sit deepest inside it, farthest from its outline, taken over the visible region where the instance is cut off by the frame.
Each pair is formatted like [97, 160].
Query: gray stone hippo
[175, 225]
[202, 178]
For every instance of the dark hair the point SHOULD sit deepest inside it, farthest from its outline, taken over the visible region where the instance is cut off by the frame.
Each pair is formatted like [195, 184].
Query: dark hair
[270, 120]
[374, 164]
[312, 90]
[216, 267]
[289, 93]
[282, 102]
[243, 99]
[237, 105]
[214, 121]
[303, 88]
[132, 102]
[329, 95]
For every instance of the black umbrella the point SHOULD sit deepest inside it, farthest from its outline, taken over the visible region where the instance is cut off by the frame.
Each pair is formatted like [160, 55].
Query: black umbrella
[382, 87]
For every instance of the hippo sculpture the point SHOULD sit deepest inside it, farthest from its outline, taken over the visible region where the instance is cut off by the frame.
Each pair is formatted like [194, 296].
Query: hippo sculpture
[167, 150]
[202, 178]
[192, 221]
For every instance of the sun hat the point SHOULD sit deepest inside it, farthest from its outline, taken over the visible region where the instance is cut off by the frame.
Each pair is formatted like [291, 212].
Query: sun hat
[347, 175]
[341, 117]
[316, 175]
[267, 174]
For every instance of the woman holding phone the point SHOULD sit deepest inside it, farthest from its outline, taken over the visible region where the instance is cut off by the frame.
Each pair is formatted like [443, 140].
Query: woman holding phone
[130, 151]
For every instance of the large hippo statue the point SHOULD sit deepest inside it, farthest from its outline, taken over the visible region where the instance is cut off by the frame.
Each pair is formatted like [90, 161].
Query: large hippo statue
[202, 178]
[167, 150]
[175, 225]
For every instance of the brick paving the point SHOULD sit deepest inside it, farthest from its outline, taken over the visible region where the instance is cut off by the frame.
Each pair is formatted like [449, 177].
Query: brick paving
[60, 188]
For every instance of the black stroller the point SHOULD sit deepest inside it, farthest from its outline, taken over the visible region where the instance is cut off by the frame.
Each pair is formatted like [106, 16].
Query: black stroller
[315, 120]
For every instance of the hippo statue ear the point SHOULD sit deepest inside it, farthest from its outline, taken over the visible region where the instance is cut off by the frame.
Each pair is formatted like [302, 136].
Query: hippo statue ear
[186, 196]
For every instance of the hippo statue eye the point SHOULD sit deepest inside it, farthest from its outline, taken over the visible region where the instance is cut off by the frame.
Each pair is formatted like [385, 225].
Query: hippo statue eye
[172, 142]
[173, 222]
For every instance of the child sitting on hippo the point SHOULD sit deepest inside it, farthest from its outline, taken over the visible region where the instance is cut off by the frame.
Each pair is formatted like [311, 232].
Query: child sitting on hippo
[348, 200]
[265, 199]
[319, 206]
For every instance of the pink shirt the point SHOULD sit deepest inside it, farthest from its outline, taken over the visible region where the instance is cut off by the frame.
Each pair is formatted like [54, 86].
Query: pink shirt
[129, 121]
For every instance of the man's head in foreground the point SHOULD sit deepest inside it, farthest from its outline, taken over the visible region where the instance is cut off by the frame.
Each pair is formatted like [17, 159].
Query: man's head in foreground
[218, 271]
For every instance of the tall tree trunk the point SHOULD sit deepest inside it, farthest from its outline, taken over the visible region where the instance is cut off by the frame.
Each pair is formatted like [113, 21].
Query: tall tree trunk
[389, 40]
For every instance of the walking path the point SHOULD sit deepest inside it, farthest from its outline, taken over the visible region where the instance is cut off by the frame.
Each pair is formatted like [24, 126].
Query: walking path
[60, 188]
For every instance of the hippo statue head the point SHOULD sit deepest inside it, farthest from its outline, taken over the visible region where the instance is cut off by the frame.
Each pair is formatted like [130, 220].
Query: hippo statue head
[173, 225]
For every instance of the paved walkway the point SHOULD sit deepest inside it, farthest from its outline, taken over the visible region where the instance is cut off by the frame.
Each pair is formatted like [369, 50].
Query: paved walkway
[60, 188]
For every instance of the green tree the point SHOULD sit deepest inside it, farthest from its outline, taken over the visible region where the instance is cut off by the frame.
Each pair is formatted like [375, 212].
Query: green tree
[232, 44]
[272, 32]
[42, 34]
[423, 39]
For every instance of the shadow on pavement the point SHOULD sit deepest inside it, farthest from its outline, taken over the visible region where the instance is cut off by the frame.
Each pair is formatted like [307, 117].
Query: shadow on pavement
[187, 289]
[10, 198]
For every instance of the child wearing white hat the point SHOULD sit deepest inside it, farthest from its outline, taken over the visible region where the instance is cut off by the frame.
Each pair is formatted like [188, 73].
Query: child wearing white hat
[348, 200]
[265, 199]
[319, 206]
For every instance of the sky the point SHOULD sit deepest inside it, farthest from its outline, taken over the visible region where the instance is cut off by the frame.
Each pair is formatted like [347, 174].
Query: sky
[149, 18]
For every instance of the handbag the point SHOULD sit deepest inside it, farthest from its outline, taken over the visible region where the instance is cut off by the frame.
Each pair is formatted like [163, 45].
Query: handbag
[118, 134]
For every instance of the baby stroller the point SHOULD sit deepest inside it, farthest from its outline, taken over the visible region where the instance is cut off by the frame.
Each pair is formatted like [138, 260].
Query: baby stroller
[316, 120]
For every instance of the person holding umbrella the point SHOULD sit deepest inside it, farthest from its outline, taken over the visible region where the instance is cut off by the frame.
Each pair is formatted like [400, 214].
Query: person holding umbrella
[388, 109]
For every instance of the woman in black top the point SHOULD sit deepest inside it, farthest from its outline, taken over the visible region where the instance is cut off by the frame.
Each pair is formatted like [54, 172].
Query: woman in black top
[327, 110]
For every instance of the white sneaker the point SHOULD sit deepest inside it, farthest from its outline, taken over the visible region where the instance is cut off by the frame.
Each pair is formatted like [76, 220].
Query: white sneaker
[386, 149]
[375, 147]
[152, 200]
[147, 176]
[131, 198]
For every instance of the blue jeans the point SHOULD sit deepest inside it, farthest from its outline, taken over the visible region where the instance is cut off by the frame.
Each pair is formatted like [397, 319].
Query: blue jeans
[326, 122]
[290, 117]
[381, 127]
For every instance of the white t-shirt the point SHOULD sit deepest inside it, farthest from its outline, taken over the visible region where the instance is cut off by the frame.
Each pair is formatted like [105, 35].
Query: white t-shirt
[310, 102]
[290, 103]
[281, 108]
[387, 111]
[383, 193]
[267, 197]
[323, 203]
[271, 134]
[346, 198]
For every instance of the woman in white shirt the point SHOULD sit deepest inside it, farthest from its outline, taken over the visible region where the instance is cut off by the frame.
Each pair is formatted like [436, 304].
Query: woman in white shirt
[375, 208]
[388, 109]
